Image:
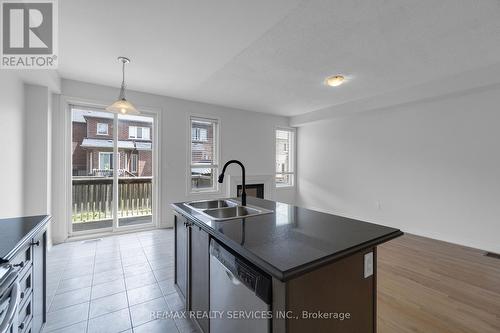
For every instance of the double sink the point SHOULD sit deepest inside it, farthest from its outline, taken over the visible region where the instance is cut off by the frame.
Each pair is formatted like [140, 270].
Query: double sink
[225, 209]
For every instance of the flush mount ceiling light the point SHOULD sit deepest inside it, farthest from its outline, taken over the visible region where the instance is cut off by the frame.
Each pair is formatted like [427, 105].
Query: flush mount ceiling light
[122, 106]
[335, 81]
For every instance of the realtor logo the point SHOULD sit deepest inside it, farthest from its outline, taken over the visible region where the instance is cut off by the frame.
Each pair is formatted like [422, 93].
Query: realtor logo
[29, 34]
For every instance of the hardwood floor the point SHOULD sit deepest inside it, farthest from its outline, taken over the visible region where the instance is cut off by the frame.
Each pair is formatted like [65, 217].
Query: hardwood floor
[431, 286]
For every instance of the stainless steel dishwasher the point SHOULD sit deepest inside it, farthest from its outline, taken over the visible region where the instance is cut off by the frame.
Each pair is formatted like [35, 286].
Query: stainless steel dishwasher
[240, 294]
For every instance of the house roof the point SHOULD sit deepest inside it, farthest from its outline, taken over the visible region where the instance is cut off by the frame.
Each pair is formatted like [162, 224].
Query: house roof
[103, 143]
[123, 144]
[201, 171]
[80, 113]
[143, 145]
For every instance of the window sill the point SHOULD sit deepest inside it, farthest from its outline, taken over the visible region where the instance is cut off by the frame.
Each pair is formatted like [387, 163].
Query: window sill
[279, 187]
[204, 192]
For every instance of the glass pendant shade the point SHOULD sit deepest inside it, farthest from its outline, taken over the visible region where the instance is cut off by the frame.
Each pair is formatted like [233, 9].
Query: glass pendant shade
[122, 106]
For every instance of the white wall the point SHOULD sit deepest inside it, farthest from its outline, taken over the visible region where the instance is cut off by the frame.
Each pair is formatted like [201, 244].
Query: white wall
[58, 182]
[25, 124]
[247, 136]
[37, 157]
[11, 143]
[429, 168]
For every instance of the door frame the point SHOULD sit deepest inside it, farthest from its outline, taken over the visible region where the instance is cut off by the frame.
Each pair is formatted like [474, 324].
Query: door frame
[65, 103]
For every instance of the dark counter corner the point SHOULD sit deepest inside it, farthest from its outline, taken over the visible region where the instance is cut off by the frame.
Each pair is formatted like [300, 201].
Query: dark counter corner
[16, 231]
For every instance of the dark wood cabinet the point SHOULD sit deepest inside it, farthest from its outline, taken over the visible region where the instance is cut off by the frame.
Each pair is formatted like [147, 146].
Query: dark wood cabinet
[31, 260]
[181, 255]
[24, 248]
[39, 246]
[341, 287]
[192, 251]
[199, 274]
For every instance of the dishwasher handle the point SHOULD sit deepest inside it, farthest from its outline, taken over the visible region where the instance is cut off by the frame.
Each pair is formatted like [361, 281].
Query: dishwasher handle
[223, 258]
[231, 276]
[241, 272]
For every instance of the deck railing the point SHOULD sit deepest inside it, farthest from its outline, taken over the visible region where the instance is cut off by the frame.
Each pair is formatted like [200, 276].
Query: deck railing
[109, 173]
[93, 198]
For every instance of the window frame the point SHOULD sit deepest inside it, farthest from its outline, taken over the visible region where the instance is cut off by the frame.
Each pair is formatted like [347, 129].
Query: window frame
[130, 132]
[198, 137]
[148, 130]
[143, 128]
[110, 160]
[97, 129]
[291, 148]
[216, 160]
[136, 156]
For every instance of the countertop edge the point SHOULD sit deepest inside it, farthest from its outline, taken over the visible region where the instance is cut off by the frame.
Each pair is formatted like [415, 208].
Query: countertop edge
[285, 276]
[306, 268]
[39, 226]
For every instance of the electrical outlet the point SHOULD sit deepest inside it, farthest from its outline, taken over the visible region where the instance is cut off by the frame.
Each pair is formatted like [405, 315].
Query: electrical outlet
[368, 264]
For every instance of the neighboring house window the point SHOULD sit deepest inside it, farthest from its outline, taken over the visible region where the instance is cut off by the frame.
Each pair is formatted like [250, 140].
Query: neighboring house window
[134, 158]
[285, 159]
[105, 161]
[102, 129]
[199, 134]
[137, 132]
[203, 152]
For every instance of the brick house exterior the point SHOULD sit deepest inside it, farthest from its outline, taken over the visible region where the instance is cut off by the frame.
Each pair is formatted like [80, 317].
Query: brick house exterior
[202, 141]
[92, 147]
[202, 153]
[79, 154]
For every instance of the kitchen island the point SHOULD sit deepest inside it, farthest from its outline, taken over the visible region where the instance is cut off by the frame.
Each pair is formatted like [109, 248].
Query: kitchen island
[322, 266]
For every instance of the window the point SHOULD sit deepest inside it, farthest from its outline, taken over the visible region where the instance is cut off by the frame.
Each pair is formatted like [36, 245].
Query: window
[102, 129]
[203, 154]
[133, 163]
[199, 134]
[105, 161]
[136, 132]
[285, 157]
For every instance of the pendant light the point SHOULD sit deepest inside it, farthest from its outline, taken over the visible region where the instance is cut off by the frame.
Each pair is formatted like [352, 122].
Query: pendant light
[122, 106]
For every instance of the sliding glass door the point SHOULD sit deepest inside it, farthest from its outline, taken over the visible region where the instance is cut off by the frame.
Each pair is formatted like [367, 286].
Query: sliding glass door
[112, 170]
[135, 183]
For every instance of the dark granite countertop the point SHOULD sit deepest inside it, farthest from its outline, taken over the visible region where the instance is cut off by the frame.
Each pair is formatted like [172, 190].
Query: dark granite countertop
[292, 240]
[17, 231]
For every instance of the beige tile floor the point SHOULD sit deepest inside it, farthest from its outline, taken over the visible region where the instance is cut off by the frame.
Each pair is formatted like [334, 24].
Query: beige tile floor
[113, 285]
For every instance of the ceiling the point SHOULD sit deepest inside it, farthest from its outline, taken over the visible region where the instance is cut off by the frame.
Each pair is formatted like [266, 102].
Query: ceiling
[272, 56]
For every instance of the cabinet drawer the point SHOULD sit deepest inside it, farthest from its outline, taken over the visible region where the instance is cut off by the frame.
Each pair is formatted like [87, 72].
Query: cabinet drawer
[25, 315]
[26, 328]
[23, 259]
[26, 283]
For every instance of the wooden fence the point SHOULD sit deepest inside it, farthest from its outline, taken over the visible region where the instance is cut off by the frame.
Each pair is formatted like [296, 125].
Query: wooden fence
[93, 198]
